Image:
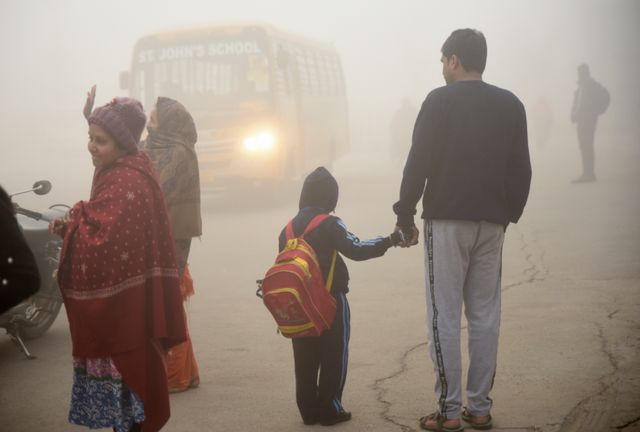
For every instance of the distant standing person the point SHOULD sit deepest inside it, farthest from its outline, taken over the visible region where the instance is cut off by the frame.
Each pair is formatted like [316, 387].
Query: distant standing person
[590, 101]
[171, 147]
[470, 147]
[400, 131]
[541, 121]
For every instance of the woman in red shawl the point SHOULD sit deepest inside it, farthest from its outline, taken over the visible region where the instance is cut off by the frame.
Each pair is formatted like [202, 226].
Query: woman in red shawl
[119, 279]
[171, 147]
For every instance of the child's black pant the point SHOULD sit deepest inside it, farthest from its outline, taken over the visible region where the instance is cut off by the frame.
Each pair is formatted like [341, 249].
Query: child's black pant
[321, 367]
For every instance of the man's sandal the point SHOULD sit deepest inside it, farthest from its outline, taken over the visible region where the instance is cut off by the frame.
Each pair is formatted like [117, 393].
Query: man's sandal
[435, 422]
[470, 418]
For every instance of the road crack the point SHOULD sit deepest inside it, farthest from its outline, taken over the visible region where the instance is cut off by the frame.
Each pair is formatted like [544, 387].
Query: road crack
[594, 411]
[381, 390]
[629, 423]
[534, 256]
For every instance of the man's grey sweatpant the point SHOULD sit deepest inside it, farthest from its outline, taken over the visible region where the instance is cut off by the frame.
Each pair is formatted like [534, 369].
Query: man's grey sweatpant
[463, 261]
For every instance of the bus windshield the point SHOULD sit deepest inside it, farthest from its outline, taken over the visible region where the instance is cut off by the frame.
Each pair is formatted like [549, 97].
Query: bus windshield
[216, 74]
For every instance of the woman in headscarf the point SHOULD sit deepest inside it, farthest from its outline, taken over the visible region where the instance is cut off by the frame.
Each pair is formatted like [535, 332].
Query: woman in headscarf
[171, 147]
[119, 279]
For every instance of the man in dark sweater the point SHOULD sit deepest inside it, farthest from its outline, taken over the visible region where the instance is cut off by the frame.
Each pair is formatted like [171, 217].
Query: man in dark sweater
[321, 362]
[470, 147]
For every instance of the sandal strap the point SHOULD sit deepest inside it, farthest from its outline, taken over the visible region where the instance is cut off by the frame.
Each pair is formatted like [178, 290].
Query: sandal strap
[433, 416]
[468, 417]
[439, 420]
[437, 416]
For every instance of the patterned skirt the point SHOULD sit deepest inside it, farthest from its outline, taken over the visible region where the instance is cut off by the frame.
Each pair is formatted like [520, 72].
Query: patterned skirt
[99, 397]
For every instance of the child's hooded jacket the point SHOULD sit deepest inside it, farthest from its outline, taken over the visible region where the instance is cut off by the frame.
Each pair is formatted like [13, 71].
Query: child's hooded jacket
[320, 195]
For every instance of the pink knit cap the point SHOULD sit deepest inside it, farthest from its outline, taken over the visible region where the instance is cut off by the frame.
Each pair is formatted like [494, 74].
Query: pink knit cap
[123, 118]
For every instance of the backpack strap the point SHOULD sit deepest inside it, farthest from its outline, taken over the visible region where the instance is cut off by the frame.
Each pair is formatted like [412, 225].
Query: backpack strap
[288, 231]
[313, 224]
[331, 269]
[317, 220]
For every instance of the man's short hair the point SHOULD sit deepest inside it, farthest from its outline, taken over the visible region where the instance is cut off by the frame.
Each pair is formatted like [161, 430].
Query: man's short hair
[469, 46]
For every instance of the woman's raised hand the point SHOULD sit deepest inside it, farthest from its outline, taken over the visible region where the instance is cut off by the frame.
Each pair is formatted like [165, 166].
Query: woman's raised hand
[88, 105]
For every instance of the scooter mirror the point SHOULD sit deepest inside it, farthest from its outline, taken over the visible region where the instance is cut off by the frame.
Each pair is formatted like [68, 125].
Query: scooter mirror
[42, 187]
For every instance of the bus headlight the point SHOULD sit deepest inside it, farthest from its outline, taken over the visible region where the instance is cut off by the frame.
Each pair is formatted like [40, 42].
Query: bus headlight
[261, 142]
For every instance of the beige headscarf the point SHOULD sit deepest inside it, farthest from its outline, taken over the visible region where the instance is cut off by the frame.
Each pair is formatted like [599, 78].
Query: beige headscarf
[171, 148]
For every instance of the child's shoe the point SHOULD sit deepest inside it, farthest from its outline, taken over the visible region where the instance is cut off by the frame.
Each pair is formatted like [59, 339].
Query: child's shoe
[341, 416]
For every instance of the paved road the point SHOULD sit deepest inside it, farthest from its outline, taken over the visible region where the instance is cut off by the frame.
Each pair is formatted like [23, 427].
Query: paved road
[569, 353]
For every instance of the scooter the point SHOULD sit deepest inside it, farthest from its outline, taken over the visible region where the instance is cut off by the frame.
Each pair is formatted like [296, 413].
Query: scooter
[33, 317]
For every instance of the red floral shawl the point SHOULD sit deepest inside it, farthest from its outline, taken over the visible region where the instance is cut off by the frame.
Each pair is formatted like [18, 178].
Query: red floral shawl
[119, 280]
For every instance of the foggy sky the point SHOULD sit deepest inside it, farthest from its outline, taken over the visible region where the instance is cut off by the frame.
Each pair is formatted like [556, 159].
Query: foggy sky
[53, 51]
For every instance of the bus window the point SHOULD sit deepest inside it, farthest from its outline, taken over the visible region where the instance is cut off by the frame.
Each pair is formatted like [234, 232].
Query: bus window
[142, 87]
[324, 74]
[283, 70]
[302, 71]
[258, 72]
[313, 77]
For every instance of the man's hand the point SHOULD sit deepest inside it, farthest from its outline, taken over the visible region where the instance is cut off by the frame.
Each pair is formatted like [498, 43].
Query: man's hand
[410, 235]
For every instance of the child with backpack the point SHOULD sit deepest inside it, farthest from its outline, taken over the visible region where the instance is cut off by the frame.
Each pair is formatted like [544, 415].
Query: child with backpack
[321, 361]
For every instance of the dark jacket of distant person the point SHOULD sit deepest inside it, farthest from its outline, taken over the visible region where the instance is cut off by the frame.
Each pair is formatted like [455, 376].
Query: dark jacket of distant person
[590, 99]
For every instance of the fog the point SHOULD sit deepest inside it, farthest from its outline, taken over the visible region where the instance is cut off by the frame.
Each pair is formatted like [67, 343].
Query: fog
[569, 339]
[52, 52]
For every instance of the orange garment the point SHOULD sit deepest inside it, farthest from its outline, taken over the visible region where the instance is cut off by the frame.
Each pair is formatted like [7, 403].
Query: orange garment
[182, 369]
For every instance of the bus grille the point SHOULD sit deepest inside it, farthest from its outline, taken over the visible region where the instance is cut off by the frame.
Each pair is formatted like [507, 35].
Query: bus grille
[218, 153]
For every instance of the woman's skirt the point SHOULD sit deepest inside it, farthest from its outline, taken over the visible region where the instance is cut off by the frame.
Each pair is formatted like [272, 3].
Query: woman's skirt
[99, 397]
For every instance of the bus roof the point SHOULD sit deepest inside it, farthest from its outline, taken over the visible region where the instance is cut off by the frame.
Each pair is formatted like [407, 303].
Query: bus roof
[229, 28]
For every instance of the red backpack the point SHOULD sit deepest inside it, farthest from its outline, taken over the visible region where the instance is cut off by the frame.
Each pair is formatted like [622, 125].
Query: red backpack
[294, 290]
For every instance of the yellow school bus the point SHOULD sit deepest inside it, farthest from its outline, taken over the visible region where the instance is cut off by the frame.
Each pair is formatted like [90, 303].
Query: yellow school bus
[268, 105]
